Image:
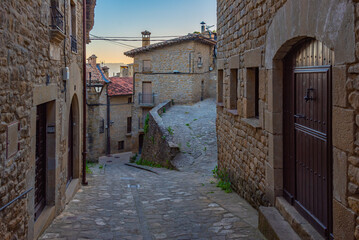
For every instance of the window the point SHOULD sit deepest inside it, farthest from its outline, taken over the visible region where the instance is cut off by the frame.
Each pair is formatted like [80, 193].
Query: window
[233, 88]
[252, 93]
[220, 86]
[73, 27]
[146, 66]
[130, 100]
[102, 126]
[121, 145]
[129, 124]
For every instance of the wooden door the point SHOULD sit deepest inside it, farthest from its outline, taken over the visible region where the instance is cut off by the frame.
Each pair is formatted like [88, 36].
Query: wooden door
[70, 159]
[147, 92]
[40, 160]
[307, 133]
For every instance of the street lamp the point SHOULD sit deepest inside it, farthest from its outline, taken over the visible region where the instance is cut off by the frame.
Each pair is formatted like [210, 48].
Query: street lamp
[98, 89]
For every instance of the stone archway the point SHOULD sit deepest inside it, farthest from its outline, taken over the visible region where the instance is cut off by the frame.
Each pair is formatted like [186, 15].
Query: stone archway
[332, 23]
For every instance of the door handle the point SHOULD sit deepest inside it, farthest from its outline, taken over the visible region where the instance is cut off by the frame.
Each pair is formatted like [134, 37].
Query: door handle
[299, 116]
[307, 97]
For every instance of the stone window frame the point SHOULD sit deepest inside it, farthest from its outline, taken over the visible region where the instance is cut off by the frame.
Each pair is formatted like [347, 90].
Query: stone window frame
[254, 81]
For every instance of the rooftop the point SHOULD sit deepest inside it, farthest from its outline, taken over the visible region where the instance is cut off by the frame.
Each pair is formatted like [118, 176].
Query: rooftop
[120, 86]
[189, 37]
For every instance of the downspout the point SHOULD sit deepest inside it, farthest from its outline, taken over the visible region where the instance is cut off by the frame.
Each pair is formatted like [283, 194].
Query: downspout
[84, 147]
[108, 146]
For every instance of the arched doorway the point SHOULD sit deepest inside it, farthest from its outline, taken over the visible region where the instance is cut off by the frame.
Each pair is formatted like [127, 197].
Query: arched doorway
[307, 150]
[70, 149]
[73, 142]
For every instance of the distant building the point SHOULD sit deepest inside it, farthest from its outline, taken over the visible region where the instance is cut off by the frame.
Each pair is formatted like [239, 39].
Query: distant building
[120, 92]
[181, 69]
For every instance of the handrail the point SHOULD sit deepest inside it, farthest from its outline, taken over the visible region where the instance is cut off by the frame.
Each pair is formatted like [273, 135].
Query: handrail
[17, 198]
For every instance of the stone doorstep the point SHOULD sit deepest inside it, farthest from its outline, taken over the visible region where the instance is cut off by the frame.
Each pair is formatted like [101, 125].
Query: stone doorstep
[300, 225]
[273, 226]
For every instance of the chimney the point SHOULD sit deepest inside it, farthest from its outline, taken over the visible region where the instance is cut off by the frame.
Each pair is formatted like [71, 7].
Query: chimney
[92, 60]
[146, 38]
[203, 27]
[105, 70]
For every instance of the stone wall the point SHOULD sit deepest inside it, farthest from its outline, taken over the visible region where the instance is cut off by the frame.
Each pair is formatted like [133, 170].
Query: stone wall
[31, 63]
[158, 145]
[259, 34]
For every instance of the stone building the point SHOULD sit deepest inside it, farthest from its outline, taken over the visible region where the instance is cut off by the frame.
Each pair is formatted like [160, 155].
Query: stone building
[97, 87]
[41, 106]
[287, 115]
[120, 95]
[178, 69]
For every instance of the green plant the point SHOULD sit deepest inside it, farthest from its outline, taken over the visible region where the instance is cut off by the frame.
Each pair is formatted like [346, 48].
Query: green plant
[188, 144]
[146, 126]
[205, 149]
[195, 119]
[145, 162]
[164, 137]
[223, 177]
[186, 112]
[187, 124]
[88, 170]
[152, 139]
[170, 130]
[164, 110]
[133, 158]
[101, 166]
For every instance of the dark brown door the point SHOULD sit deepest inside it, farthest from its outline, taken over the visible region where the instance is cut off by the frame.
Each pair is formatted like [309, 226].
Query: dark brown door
[307, 136]
[147, 93]
[70, 159]
[40, 158]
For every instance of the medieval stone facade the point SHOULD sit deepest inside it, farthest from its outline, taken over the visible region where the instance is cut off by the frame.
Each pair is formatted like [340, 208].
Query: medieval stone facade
[256, 40]
[41, 121]
[178, 69]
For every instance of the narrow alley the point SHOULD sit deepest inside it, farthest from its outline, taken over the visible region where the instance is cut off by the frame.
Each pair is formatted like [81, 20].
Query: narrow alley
[123, 202]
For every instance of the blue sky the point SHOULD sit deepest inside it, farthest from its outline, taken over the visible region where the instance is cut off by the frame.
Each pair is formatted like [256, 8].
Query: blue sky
[120, 18]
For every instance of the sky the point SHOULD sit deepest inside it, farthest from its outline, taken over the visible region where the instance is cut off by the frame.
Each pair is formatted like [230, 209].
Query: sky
[128, 18]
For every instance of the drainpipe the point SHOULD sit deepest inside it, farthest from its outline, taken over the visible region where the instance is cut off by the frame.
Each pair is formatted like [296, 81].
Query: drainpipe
[84, 147]
[108, 146]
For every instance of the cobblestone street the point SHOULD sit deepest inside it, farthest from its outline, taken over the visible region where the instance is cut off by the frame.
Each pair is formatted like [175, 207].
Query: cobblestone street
[123, 202]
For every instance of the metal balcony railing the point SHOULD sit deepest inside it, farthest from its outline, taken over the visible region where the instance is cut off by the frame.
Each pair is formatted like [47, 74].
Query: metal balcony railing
[73, 44]
[146, 99]
[57, 19]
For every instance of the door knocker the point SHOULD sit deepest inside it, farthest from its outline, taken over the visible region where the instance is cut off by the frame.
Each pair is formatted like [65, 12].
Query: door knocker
[307, 97]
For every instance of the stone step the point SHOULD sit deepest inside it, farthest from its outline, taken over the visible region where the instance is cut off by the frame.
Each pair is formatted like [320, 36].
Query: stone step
[299, 224]
[273, 226]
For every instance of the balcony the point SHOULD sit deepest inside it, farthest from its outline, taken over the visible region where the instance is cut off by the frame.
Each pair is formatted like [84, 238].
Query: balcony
[57, 25]
[146, 99]
[73, 44]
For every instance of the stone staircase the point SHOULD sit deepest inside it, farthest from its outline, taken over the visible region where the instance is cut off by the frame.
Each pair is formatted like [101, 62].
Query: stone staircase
[283, 222]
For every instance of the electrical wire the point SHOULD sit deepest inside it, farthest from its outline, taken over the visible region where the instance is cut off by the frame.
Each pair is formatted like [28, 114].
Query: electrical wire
[114, 42]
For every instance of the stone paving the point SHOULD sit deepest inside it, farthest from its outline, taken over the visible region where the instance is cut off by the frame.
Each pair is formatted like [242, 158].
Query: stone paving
[122, 202]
